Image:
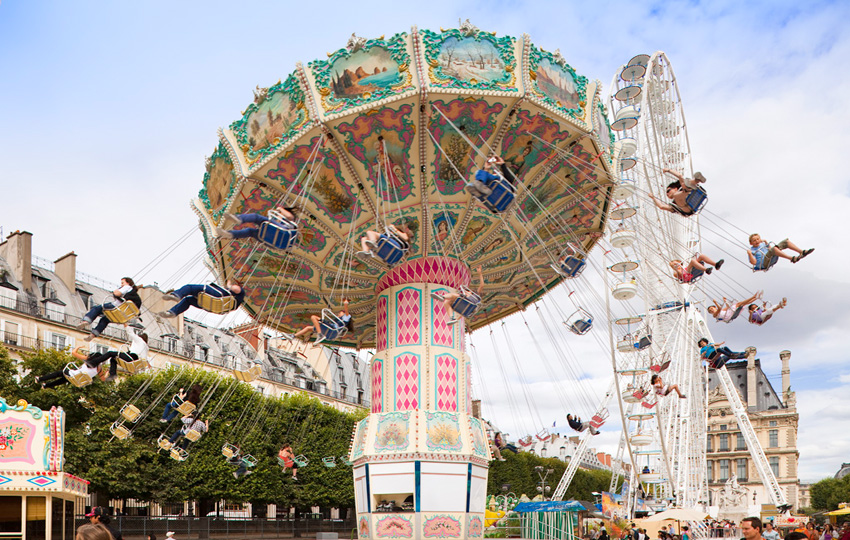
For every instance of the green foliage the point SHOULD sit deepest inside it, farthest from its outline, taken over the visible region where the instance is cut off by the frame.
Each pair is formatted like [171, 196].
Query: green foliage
[827, 493]
[518, 471]
[133, 468]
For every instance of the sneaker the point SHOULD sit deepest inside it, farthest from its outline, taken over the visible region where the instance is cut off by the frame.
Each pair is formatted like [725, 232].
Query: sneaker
[171, 295]
[248, 472]
[166, 314]
[709, 270]
[163, 421]
[222, 233]
[482, 187]
[294, 478]
[502, 459]
[719, 264]
[236, 476]
[436, 295]
[111, 377]
[683, 396]
[594, 431]
[83, 324]
[89, 337]
[363, 254]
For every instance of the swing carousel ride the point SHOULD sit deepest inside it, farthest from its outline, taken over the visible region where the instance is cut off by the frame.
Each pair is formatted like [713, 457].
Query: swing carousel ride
[385, 132]
[383, 136]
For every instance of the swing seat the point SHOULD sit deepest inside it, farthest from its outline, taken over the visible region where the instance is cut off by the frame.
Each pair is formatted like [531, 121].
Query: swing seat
[570, 267]
[133, 366]
[193, 435]
[647, 405]
[125, 312]
[224, 303]
[345, 461]
[629, 397]
[581, 326]
[301, 460]
[627, 344]
[525, 441]
[543, 435]
[658, 368]
[640, 393]
[283, 462]
[119, 430]
[131, 413]
[696, 200]
[501, 197]
[280, 234]
[164, 443]
[643, 342]
[229, 450]
[768, 262]
[79, 379]
[599, 418]
[329, 462]
[332, 327]
[389, 249]
[249, 461]
[183, 407]
[248, 375]
[178, 454]
[466, 304]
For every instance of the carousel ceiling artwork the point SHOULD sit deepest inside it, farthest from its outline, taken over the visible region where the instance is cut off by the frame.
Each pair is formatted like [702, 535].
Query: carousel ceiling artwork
[379, 133]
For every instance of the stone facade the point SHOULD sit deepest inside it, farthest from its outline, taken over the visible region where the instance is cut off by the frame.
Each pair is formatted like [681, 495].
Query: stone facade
[733, 479]
[42, 303]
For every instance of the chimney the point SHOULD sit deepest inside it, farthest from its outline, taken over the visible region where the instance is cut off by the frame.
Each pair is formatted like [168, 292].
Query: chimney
[785, 356]
[17, 250]
[66, 268]
[476, 408]
[752, 390]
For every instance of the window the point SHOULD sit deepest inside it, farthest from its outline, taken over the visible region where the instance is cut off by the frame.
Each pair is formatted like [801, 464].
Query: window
[708, 447]
[171, 344]
[773, 438]
[741, 469]
[710, 471]
[543, 452]
[742, 443]
[774, 466]
[723, 427]
[562, 452]
[724, 443]
[86, 298]
[8, 298]
[54, 311]
[58, 341]
[724, 470]
[12, 333]
[772, 423]
[100, 349]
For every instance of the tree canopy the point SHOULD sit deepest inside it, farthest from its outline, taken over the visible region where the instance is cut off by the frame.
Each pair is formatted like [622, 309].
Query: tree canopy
[827, 493]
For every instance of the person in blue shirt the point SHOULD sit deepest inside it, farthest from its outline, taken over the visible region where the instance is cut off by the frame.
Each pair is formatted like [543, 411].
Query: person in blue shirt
[344, 317]
[763, 255]
[480, 185]
[716, 355]
[187, 295]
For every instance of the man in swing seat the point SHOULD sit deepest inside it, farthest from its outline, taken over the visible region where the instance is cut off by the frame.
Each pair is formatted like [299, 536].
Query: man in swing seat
[450, 298]
[580, 426]
[763, 255]
[480, 186]
[344, 317]
[370, 240]
[187, 296]
[286, 212]
[716, 354]
[126, 292]
[138, 351]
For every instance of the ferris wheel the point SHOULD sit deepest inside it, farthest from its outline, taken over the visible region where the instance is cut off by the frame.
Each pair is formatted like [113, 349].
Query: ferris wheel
[662, 435]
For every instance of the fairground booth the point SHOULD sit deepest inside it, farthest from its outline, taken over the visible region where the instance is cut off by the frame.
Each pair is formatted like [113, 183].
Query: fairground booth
[37, 499]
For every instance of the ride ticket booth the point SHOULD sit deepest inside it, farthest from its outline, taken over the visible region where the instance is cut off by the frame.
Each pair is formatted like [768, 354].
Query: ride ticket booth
[37, 499]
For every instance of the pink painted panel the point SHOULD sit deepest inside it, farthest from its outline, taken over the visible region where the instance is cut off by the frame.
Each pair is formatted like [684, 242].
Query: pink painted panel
[442, 333]
[438, 270]
[407, 382]
[409, 316]
[381, 330]
[377, 386]
[447, 383]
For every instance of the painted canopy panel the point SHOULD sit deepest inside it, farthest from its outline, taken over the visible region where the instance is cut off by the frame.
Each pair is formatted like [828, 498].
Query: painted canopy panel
[388, 131]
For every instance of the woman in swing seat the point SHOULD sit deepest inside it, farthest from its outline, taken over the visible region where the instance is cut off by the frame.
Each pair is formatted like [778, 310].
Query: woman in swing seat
[726, 313]
[287, 456]
[187, 296]
[580, 426]
[760, 315]
[480, 186]
[449, 298]
[697, 266]
[287, 212]
[193, 397]
[344, 317]
[662, 389]
[126, 292]
[401, 233]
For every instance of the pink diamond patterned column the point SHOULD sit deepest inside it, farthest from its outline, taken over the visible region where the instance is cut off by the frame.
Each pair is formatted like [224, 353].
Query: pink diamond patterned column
[419, 443]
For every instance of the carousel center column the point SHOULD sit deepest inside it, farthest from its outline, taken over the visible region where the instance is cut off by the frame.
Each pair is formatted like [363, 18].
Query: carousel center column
[420, 458]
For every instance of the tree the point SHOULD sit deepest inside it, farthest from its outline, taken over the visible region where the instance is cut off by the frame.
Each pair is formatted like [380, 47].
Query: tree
[827, 493]
[518, 471]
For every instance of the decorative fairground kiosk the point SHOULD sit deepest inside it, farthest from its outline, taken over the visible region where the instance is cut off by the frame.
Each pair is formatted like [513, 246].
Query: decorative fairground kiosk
[37, 498]
[383, 136]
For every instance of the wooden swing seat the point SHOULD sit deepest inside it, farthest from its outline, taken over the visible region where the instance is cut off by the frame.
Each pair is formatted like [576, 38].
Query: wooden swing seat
[123, 313]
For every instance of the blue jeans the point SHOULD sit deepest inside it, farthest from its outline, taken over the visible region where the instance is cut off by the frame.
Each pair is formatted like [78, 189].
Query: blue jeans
[170, 412]
[189, 295]
[250, 232]
[94, 313]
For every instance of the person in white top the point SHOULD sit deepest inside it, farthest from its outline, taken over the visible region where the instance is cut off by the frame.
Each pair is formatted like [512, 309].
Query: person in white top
[727, 313]
[127, 291]
[138, 351]
[189, 422]
[56, 378]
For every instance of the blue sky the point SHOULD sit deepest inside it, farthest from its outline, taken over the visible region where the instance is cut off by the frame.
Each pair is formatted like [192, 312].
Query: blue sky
[108, 109]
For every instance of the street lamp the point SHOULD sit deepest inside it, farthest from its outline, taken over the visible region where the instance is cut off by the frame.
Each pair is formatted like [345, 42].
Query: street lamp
[542, 487]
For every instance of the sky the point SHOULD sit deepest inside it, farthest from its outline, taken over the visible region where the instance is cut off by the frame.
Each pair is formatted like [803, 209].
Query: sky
[108, 109]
